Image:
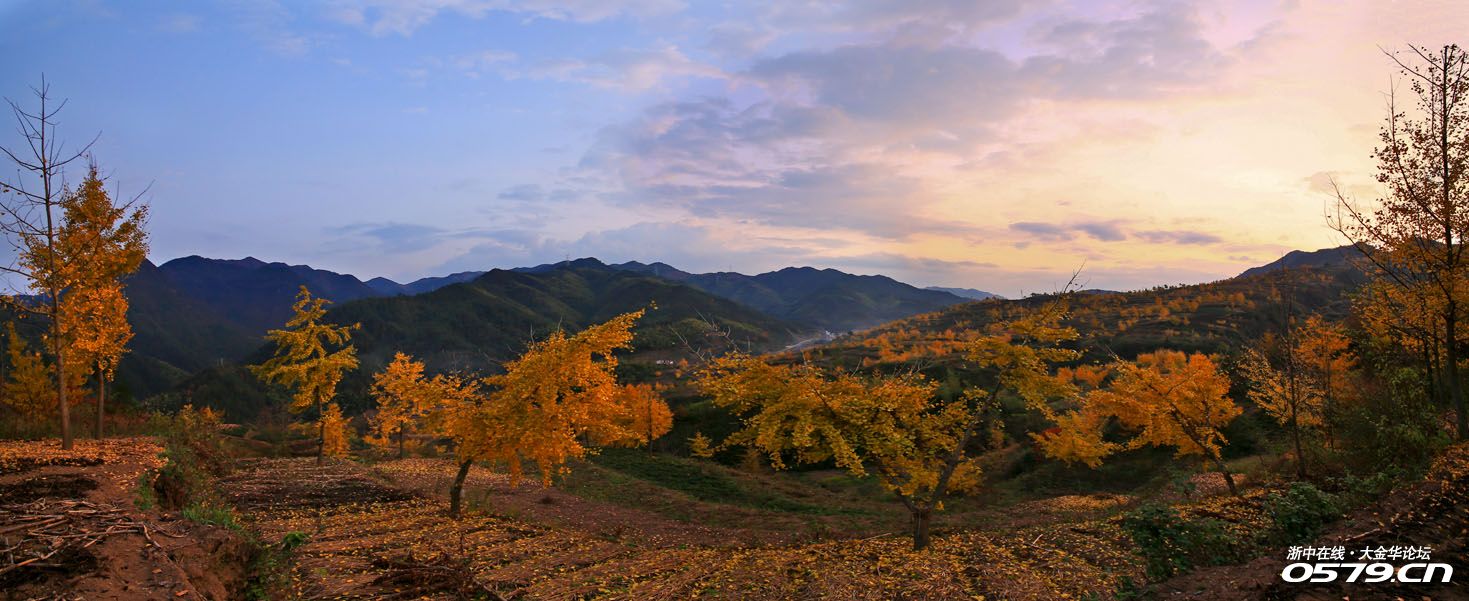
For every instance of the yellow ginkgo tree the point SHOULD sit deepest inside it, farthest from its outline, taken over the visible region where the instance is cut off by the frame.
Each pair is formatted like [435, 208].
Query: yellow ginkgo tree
[1287, 393]
[554, 403]
[26, 389]
[643, 417]
[310, 358]
[1327, 355]
[403, 398]
[896, 428]
[1163, 399]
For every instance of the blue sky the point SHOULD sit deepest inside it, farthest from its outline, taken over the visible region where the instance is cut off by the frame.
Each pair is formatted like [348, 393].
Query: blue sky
[995, 145]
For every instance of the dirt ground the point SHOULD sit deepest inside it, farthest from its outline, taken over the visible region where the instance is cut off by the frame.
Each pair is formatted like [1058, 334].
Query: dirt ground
[72, 529]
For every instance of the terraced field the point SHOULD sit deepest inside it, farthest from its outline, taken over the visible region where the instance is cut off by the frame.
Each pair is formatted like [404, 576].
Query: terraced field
[382, 533]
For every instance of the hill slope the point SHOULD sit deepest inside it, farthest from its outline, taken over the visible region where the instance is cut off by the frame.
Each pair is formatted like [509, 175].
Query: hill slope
[1212, 317]
[969, 293]
[480, 323]
[826, 298]
[256, 295]
[1340, 256]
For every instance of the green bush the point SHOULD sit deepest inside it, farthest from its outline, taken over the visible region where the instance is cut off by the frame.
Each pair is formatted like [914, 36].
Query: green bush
[194, 457]
[1395, 429]
[1357, 491]
[1300, 513]
[1172, 544]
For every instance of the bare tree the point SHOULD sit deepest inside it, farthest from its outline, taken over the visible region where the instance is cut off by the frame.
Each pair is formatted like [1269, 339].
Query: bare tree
[1414, 236]
[30, 218]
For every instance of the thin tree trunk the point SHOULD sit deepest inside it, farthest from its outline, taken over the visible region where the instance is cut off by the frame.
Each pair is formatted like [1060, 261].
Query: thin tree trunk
[922, 518]
[457, 489]
[1328, 406]
[1295, 430]
[101, 400]
[320, 434]
[1228, 478]
[66, 442]
[1456, 390]
[1430, 359]
[402, 434]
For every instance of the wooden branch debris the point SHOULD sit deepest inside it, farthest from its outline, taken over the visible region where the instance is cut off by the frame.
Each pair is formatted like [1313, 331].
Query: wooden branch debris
[31, 533]
[414, 578]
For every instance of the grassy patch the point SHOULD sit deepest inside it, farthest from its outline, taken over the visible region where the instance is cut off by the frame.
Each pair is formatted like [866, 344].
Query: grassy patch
[213, 515]
[144, 497]
[706, 481]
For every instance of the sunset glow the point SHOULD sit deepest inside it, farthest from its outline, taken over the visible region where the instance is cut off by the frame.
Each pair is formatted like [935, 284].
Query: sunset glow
[997, 145]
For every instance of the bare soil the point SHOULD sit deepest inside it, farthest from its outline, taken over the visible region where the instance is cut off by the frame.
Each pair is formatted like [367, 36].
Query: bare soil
[74, 531]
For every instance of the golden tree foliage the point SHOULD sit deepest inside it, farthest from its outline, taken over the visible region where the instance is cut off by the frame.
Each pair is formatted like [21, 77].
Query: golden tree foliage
[100, 242]
[334, 438]
[643, 417]
[1413, 236]
[1165, 399]
[27, 388]
[304, 363]
[403, 397]
[1326, 354]
[550, 405]
[895, 427]
[700, 446]
[891, 427]
[1286, 393]
[1018, 353]
[885, 426]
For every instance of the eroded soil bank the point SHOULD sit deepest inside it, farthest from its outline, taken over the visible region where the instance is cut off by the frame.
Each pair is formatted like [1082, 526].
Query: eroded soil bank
[73, 528]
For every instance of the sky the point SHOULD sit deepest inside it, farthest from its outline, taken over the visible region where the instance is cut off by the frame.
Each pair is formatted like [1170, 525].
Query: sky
[998, 145]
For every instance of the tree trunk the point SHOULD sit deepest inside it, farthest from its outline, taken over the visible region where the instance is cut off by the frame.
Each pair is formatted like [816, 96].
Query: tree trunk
[66, 442]
[1295, 431]
[921, 520]
[1328, 407]
[1228, 478]
[1430, 359]
[457, 489]
[1456, 391]
[320, 435]
[402, 434]
[101, 401]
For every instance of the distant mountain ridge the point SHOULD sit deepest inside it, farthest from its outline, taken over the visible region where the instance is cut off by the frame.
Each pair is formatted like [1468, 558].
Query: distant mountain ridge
[969, 293]
[825, 298]
[1326, 257]
[480, 324]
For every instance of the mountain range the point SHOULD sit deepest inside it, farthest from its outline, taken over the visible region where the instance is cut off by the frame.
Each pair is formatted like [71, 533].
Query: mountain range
[824, 298]
[195, 313]
[196, 319]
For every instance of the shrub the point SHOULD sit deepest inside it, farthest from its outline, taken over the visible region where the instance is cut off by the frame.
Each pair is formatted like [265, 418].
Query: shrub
[1395, 429]
[1300, 513]
[194, 454]
[1173, 545]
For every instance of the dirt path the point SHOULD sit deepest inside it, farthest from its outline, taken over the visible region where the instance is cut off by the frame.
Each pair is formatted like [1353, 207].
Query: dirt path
[73, 515]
